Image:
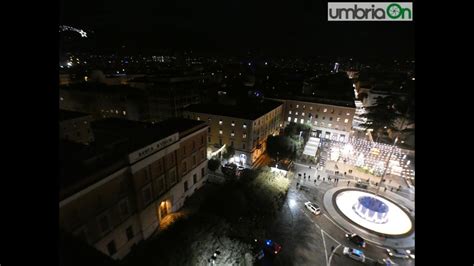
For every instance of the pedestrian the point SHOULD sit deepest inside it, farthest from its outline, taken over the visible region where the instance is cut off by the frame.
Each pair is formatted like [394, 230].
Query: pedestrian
[344, 173]
[332, 248]
[318, 177]
[348, 182]
[304, 177]
[309, 177]
[315, 181]
[385, 189]
[390, 181]
[324, 179]
[310, 167]
[391, 189]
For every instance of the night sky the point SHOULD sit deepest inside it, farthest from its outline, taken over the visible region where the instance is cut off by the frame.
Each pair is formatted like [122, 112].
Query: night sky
[280, 27]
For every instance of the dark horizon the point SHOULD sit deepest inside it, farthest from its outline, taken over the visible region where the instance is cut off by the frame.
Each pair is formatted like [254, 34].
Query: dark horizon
[299, 28]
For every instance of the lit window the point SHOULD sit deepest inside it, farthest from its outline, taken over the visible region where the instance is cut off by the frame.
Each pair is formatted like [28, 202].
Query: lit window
[302, 121]
[315, 122]
[232, 134]
[348, 114]
[302, 114]
[308, 121]
[116, 111]
[296, 113]
[220, 131]
[289, 119]
[325, 110]
[232, 124]
[296, 120]
[304, 106]
[220, 122]
[198, 118]
[289, 112]
[346, 120]
[124, 112]
[62, 99]
[329, 125]
[330, 118]
[311, 108]
[244, 136]
[244, 125]
[338, 119]
[297, 105]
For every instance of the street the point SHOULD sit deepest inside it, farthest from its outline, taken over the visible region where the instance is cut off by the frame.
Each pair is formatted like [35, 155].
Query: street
[307, 239]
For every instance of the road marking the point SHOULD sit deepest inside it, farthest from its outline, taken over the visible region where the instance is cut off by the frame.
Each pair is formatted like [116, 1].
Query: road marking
[336, 224]
[332, 253]
[325, 249]
[332, 238]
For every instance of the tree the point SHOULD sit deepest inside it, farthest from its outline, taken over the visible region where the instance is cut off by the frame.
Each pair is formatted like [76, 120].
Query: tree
[213, 164]
[279, 147]
[229, 152]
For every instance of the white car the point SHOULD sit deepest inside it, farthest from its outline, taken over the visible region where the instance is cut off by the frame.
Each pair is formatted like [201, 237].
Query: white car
[312, 207]
[399, 253]
[354, 254]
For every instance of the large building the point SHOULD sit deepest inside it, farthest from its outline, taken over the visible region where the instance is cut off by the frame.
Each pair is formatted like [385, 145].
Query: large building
[328, 119]
[75, 126]
[115, 191]
[245, 126]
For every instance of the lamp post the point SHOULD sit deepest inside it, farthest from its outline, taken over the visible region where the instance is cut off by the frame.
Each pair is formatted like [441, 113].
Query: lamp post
[386, 167]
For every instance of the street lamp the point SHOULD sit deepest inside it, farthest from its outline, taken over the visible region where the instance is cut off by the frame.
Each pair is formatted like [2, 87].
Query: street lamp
[386, 167]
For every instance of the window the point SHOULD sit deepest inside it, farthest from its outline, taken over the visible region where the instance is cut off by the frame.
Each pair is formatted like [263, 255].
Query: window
[348, 114]
[172, 176]
[304, 106]
[220, 131]
[311, 108]
[202, 172]
[194, 178]
[302, 114]
[208, 130]
[340, 113]
[147, 195]
[194, 160]
[220, 142]
[296, 120]
[244, 125]
[124, 208]
[220, 122]
[232, 134]
[160, 186]
[232, 143]
[296, 113]
[185, 185]
[104, 223]
[289, 119]
[129, 233]
[329, 125]
[184, 150]
[291, 106]
[244, 136]
[330, 118]
[111, 248]
[198, 118]
[202, 140]
[209, 139]
[297, 105]
[315, 122]
[324, 118]
[232, 124]
[243, 146]
[346, 120]
[194, 145]
[289, 112]
[338, 119]
[322, 123]
[302, 121]
[185, 168]
[308, 121]
[316, 116]
[332, 111]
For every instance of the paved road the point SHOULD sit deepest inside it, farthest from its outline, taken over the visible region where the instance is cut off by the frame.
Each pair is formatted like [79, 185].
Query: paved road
[307, 239]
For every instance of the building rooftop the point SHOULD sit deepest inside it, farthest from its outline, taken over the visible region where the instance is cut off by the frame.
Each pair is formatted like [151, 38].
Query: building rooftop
[82, 165]
[310, 99]
[68, 115]
[250, 109]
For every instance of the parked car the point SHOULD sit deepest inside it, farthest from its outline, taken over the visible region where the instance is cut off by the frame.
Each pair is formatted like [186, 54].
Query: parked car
[354, 254]
[356, 239]
[229, 169]
[399, 253]
[313, 207]
[361, 184]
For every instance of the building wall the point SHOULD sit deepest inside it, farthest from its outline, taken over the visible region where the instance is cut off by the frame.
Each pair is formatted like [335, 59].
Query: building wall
[248, 137]
[77, 129]
[137, 196]
[335, 120]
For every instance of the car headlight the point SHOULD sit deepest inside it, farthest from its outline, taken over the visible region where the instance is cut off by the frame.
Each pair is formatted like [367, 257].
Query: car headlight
[390, 253]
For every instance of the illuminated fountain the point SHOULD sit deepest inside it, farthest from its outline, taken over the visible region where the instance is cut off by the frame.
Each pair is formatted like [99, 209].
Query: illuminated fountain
[371, 209]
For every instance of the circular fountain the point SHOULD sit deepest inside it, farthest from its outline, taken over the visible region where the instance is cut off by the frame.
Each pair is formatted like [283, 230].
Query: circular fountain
[371, 209]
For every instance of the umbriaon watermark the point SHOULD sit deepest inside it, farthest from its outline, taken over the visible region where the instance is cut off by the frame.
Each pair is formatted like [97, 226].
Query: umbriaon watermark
[367, 11]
